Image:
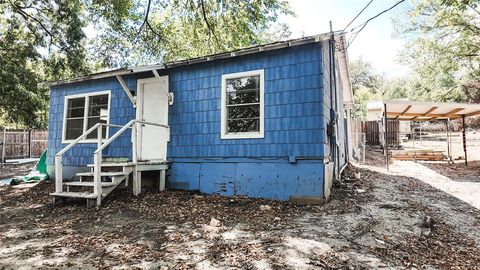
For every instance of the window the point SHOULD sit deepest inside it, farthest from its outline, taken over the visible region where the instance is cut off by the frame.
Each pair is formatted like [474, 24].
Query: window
[83, 112]
[242, 105]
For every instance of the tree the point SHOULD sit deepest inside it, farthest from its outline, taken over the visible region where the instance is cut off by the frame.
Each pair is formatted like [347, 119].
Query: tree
[39, 40]
[472, 91]
[49, 41]
[171, 30]
[366, 85]
[362, 74]
[444, 45]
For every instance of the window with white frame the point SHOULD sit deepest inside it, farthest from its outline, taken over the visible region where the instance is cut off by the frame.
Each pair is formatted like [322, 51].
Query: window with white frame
[242, 105]
[83, 112]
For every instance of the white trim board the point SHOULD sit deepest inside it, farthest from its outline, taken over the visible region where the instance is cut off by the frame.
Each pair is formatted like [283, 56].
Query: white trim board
[223, 124]
[85, 119]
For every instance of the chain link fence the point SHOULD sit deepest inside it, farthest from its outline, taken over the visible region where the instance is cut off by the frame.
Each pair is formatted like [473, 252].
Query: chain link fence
[359, 143]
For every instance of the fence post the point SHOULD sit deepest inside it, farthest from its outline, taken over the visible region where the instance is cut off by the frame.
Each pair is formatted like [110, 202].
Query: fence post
[3, 145]
[29, 143]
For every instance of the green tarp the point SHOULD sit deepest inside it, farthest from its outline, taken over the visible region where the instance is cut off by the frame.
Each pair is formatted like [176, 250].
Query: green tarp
[39, 173]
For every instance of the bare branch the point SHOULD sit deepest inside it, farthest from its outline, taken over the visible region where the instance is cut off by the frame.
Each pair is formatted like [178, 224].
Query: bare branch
[153, 30]
[145, 20]
[474, 9]
[27, 17]
[210, 27]
[146, 23]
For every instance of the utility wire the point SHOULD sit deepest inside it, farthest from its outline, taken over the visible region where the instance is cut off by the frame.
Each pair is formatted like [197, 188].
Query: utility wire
[363, 25]
[379, 14]
[361, 11]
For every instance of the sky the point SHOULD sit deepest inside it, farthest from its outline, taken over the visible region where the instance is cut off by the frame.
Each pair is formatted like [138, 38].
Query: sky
[375, 43]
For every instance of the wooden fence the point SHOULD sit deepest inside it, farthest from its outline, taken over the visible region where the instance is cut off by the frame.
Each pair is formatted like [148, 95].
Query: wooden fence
[374, 129]
[22, 143]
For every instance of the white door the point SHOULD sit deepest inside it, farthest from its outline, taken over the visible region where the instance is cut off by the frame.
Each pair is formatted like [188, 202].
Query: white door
[152, 106]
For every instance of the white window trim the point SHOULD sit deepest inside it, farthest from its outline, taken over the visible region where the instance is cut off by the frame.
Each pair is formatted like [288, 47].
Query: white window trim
[223, 126]
[85, 119]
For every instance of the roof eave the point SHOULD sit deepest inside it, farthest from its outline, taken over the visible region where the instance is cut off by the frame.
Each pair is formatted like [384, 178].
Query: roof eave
[236, 53]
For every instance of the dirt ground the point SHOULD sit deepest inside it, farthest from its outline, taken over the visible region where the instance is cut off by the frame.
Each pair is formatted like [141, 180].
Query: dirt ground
[12, 170]
[383, 220]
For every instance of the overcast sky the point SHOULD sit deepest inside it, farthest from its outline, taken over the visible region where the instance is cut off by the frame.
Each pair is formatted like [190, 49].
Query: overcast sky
[374, 44]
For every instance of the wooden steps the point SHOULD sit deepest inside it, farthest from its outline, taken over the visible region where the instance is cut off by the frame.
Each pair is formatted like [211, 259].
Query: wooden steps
[112, 175]
[79, 195]
[90, 174]
[108, 171]
[123, 164]
[89, 184]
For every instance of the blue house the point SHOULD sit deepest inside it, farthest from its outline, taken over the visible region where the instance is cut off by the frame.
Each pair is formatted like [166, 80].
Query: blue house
[269, 121]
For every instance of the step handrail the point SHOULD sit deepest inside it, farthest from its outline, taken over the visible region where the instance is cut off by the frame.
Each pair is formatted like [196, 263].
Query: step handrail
[114, 136]
[83, 136]
[97, 155]
[59, 156]
[77, 140]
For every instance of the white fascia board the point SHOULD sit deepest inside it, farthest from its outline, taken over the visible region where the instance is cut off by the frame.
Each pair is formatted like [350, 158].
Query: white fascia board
[91, 77]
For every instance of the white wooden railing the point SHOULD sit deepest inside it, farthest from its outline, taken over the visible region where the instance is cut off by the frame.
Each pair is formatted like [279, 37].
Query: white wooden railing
[97, 155]
[59, 156]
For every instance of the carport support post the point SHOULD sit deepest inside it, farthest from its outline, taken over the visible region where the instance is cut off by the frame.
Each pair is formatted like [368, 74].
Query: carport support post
[385, 135]
[421, 125]
[464, 139]
[413, 143]
[447, 122]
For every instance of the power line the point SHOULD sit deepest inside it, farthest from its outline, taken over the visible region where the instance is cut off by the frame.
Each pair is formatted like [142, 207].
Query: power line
[363, 25]
[361, 11]
[379, 14]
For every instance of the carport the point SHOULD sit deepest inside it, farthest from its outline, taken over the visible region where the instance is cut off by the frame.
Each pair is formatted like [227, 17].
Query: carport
[406, 110]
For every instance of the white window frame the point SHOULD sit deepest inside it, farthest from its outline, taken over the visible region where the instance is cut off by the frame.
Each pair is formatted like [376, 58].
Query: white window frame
[223, 127]
[85, 114]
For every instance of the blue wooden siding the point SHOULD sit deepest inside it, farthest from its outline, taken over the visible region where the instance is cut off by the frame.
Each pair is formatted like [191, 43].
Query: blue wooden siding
[274, 179]
[296, 113]
[121, 111]
[293, 110]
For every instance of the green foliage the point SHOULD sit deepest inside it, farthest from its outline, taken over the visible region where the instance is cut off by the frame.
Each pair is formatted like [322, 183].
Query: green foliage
[366, 85]
[39, 40]
[180, 29]
[363, 75]
[46, 40]
[443, 48]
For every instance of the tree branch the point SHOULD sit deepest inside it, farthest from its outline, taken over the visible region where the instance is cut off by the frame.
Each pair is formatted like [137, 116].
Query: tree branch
[474, 9]
[19, 10]
[210, 28]
[147, 12]
[147, 23]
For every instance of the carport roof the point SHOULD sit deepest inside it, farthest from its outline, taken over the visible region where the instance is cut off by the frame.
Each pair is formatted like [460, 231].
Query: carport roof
[407, 110]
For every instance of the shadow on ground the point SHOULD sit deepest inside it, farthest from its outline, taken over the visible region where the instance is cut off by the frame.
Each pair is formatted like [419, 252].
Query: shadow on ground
[381, 220]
